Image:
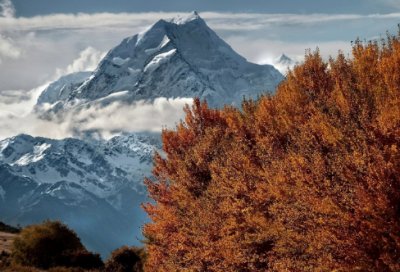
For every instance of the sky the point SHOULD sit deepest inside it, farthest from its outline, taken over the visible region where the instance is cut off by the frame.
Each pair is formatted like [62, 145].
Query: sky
[41, 40]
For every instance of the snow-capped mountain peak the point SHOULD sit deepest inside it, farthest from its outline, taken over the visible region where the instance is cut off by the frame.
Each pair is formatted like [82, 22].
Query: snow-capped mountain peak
[179, 58]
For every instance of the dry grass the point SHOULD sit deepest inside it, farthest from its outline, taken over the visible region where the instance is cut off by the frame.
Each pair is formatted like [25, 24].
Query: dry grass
[6, 240]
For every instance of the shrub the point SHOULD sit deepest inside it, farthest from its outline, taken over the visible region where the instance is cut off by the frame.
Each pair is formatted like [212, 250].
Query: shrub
[45, 245]
[4, 260]
[126, 259]
[85, 259]
[307, 179]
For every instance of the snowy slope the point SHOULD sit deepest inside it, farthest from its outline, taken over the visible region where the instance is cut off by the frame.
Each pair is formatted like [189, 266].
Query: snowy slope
[180, 58]
[78, 182]
[99, 168]
[62, 88]
[100, 226]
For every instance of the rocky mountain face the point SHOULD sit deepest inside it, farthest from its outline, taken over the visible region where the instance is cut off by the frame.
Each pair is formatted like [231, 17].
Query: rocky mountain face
[180, 58]
[95, 187]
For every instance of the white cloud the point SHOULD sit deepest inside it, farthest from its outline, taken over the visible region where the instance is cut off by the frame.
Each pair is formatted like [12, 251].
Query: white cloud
[87, 61]
[21, 102]
[246, 21]
[8, 48]
[139, 116]
[218, 21]
[7, 9]
[117, 116]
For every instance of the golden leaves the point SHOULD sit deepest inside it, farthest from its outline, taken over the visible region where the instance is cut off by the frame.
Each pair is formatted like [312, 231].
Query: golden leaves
[306, 180]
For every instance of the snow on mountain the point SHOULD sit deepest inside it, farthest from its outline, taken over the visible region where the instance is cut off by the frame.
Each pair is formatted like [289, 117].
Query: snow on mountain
[180, 58]
[100, 168]
[62, 88]
[75, 177]
[100, 226]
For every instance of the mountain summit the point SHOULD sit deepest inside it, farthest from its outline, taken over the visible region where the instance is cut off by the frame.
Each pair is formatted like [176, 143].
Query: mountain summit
[283, 59]
[179, 58]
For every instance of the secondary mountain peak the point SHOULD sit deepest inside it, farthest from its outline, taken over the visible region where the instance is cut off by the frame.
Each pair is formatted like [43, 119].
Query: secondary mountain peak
[283, 59]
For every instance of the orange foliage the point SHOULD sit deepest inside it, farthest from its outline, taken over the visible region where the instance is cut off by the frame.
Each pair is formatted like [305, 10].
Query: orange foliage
[307, 179]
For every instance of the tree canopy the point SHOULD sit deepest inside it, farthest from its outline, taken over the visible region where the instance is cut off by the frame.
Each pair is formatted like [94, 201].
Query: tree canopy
[306, 179]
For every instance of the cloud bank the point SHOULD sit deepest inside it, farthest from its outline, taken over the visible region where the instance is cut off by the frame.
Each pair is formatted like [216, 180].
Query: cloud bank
[216, 20]
[105, 121]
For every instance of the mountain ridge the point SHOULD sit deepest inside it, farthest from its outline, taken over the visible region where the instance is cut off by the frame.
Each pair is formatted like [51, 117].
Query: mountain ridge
[84, 184]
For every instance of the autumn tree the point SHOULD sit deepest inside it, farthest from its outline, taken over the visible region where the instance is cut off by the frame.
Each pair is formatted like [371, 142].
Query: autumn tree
[305, 179]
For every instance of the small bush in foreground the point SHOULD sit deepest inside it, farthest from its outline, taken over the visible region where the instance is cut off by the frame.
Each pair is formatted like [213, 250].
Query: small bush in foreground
[126, 259]
[85, 259]
[51, 244]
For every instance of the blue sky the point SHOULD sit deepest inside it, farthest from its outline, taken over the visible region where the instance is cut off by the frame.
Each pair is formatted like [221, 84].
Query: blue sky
[41, 40]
